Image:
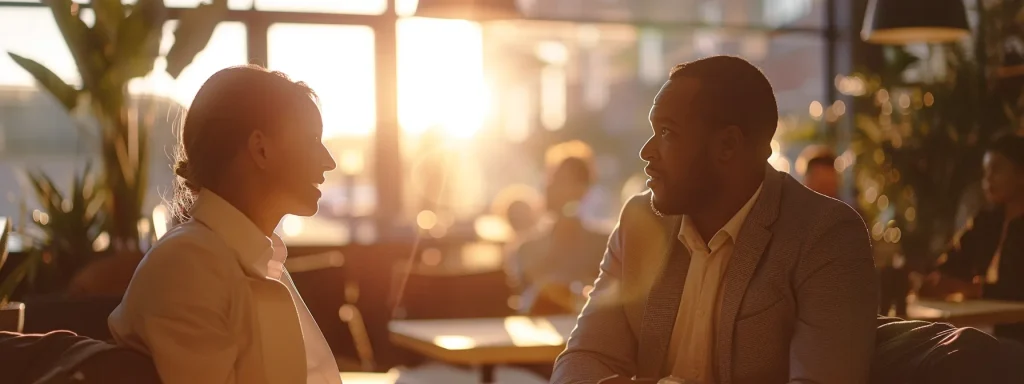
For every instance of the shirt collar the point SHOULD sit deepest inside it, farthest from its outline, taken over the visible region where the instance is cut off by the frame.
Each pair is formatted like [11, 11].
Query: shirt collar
[259, 255]
[690, 238]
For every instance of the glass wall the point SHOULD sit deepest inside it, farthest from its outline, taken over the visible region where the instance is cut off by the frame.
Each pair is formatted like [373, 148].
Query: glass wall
[478, 103]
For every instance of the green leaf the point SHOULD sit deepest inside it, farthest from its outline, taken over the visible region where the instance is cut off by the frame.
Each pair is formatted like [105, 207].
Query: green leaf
[18, 275]
[85, 48]
[109, 14]
[193, 33]
[65, 94]
[138, 43]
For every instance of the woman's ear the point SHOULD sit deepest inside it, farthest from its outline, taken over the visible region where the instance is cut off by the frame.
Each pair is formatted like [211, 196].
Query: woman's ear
[257, 149]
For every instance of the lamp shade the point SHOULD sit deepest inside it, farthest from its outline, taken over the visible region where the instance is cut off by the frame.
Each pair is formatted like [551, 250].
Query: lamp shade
[898, 22]
[476, 10]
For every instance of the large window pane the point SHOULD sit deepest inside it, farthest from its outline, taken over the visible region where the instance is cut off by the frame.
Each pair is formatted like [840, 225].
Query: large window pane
[443, 102]
[35, 132]
[362, 7]
[338, 63]
[226, 48]
[46, 45]
[761, 13]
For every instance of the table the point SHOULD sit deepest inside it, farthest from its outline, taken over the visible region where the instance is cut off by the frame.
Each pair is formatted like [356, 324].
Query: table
[969, 313]
[486, 342]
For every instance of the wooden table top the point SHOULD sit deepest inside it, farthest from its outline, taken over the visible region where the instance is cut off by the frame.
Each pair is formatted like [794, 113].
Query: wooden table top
[529, 340]
[970, 313]
[509, 340]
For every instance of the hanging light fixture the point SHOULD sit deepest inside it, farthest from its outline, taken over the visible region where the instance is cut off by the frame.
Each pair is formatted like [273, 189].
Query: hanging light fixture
[476, 10]
[898, 22]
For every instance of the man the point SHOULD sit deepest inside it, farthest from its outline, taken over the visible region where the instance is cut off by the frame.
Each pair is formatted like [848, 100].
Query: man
[820, 174]
[785, 289]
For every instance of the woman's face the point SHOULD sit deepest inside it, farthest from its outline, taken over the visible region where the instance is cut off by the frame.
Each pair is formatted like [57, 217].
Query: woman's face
[297, 162]
[1003, 180]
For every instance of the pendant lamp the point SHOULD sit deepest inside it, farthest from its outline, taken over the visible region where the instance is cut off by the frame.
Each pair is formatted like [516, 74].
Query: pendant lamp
[475, 10]
[899, 22]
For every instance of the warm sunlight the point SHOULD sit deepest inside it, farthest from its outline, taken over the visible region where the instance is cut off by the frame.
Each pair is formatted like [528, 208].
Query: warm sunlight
[440, 76]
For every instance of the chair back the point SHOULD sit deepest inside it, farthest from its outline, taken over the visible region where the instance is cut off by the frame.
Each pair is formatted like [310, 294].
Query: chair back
[448, 294]
[63, 357]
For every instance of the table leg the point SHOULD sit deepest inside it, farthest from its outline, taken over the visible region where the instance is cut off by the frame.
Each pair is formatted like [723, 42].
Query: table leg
[487, 374]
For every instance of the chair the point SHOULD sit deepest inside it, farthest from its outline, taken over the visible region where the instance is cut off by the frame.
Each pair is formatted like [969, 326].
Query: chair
[446, 294]
[63, 357]
[5, 233]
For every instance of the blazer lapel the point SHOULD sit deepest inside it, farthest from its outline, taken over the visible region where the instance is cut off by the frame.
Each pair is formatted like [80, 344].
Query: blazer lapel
[279, 332]
[661, 308]
[753, 240]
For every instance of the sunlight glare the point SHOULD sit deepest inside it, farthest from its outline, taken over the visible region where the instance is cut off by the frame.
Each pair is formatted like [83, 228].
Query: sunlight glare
[527, 332]
[440, 77]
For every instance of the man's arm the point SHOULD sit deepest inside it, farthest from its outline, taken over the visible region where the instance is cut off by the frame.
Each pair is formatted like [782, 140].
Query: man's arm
[602, 344]
[837, 301]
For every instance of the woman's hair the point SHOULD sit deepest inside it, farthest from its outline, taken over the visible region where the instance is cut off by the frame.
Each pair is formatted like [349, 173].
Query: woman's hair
[1011, 146]
[229, 106]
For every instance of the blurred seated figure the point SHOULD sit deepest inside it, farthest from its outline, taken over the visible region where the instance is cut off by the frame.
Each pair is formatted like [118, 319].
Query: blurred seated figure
[562, 252]
[987, 258]
[520, 206]
[820, 173]
[64, 357]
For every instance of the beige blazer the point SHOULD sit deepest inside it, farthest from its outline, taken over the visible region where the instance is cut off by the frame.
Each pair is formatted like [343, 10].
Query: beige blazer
[202, 305]
[798, 301]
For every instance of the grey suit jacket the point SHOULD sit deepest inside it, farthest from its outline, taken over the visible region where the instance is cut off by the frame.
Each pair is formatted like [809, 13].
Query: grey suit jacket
[798, 306]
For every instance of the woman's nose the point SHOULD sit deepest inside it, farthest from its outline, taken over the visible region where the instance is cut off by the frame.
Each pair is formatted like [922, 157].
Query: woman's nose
[329, 163]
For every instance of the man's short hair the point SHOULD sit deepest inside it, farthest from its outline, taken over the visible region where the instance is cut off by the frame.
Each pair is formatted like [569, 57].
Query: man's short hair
[1011, 145]
[732, 92]
[814, 156]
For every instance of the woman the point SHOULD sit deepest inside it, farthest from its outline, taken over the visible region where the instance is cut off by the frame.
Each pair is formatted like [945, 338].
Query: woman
[211, 302]
[990, 252]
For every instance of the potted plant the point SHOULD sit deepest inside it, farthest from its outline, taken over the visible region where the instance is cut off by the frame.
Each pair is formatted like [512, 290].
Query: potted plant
[122, 44]
[63, 235]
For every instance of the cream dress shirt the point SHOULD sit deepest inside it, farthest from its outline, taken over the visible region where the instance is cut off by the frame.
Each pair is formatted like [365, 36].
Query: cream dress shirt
[690, 350]
[213, 303]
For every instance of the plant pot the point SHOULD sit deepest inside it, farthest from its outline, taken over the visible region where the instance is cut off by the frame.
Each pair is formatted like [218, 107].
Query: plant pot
[12, 317]
[108, 276]
[85, 316]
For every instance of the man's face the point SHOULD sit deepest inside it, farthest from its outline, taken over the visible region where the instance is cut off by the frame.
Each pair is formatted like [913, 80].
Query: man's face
[823, 179]
[1003, 181]
[679, 163]
[296, 163]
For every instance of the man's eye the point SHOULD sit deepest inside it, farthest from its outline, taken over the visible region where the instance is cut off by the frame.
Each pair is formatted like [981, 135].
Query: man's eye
[665, 131]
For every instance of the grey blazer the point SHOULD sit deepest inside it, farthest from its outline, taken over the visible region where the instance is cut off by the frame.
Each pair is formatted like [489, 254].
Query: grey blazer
[798, 306]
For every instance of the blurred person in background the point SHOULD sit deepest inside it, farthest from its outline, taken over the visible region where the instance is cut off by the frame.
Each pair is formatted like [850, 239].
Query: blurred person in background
[521, 206]
[987, 257]
[563, 254]
[726, 271]
[820, 174]
[212, 302]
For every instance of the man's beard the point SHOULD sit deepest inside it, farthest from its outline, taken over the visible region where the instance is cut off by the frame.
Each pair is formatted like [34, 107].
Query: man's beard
[655, 208]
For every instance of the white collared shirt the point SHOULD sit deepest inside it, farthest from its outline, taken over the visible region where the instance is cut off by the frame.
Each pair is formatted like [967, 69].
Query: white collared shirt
[193, 312]
[690, 349]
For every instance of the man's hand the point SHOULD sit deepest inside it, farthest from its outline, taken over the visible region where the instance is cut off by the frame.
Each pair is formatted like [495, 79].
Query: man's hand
[625, 380]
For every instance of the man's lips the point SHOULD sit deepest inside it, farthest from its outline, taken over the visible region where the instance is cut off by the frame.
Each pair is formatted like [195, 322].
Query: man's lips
[652, 173]
[653, 177]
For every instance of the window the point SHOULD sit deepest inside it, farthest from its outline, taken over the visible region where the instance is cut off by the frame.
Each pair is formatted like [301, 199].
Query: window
[754, 13]
[362, 7]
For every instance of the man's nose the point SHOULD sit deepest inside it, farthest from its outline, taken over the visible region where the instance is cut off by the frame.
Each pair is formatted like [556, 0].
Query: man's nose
[647, 152]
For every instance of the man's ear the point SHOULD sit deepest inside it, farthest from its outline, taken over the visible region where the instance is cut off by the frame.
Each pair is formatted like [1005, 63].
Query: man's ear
[730, 143]
[257, 149]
